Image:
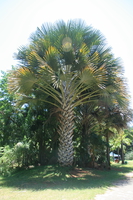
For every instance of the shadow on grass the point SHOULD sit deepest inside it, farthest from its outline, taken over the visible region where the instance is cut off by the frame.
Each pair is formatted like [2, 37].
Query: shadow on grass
[55, 177]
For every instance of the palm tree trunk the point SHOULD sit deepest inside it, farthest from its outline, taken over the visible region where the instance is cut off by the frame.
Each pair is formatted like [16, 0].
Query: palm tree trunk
[65, 151]
[118, 152]
[65, 130]
[108, 150]
[41, 155]
[122, 152]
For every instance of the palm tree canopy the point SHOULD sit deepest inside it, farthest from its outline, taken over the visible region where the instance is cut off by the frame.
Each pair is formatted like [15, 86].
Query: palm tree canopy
[59, 51]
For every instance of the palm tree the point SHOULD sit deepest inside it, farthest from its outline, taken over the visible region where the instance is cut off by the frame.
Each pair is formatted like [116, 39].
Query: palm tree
[65, 62]
[115, 120]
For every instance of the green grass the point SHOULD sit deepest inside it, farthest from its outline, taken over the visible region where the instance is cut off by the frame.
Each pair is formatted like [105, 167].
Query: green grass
[53, 182]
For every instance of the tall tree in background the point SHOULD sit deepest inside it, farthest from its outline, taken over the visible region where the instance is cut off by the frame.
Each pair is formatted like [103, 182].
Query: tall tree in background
[69, 65]
[11, 118]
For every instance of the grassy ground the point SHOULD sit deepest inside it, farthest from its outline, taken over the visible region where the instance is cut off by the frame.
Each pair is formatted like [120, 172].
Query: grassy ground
[53, 182]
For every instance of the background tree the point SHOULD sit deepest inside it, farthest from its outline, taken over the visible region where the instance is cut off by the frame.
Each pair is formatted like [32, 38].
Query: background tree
[120, 141]
[11, 118]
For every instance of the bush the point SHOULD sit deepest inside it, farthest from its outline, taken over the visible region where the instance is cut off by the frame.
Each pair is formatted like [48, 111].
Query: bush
[22, 154]
[19, 156]
[129, 155]
[7, 161]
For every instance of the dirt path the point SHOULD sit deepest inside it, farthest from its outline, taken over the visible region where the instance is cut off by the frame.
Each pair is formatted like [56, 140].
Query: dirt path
[122, 190]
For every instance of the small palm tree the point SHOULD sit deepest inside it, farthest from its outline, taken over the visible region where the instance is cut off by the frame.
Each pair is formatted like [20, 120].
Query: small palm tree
[66, 63]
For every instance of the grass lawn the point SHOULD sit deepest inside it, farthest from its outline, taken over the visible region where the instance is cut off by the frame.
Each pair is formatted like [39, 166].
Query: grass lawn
[56, 183]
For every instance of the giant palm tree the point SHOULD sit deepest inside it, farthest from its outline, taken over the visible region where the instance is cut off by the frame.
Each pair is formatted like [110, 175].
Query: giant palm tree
[65, 62]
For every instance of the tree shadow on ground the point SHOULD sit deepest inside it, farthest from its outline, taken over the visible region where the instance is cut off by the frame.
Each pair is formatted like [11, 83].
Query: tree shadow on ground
[55, 177]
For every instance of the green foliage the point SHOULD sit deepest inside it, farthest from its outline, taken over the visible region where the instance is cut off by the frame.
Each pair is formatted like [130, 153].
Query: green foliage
[129, 155]
[125, 136]
[18, 156]
[22, 153]
[7, 161]
[11, 117]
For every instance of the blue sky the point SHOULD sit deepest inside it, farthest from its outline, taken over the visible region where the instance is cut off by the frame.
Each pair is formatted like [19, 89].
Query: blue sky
[114, 18]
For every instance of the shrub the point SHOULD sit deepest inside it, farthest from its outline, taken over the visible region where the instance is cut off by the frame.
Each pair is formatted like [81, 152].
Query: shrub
[22, 151]
[19, 156]
[6, 161]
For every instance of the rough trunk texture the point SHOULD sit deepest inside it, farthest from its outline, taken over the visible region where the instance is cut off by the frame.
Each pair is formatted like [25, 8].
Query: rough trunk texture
[65, 150]
[122, 153]
[108, 150]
